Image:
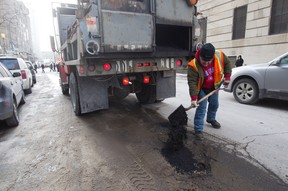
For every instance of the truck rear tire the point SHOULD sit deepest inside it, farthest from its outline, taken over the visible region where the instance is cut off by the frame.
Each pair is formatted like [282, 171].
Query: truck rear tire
[147, 95]
[64, 87]
[74, 94]
[65, 90]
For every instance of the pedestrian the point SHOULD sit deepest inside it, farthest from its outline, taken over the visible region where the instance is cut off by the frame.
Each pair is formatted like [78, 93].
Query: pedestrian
[35, 67]
[43, 68]
[205, 73]
[239, 62]
[51, 67]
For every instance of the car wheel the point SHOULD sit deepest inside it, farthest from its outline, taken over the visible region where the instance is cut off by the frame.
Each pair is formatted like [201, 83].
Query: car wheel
[246, 91]
[14, 119]
[74, 94]
[23, 99]
[29, 90]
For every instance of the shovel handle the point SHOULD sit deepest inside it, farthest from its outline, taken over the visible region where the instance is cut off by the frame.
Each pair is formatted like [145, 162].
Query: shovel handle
[206, 96]
[202, 99]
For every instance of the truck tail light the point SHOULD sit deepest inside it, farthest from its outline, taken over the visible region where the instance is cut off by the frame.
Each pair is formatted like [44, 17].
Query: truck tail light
[125, 81]
[146, 80]
[107, 66]
[146, 64]
[179, 63]
[82, 70]
[24, 75]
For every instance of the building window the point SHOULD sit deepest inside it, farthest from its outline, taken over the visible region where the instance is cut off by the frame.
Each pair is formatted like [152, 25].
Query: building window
[279, 17]
[239, 22]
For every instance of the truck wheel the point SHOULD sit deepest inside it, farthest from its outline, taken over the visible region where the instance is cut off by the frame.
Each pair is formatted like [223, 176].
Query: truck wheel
[246, 91]
[74, 94]
[147, 95]
[65, 89]
[14, 119]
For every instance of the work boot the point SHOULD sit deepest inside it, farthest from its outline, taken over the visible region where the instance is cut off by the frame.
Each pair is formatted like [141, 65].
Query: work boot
[215, 124]
[199, 135]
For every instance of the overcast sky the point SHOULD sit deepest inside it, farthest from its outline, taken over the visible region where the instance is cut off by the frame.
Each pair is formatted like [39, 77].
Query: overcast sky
[43, 20]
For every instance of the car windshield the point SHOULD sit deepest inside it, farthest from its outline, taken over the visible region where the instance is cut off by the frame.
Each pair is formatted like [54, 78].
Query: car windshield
[11, 64]
[278, 57]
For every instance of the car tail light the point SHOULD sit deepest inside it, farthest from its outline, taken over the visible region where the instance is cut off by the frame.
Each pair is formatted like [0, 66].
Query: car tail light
[107, 66]
[146, 80]
[125, 81]
[23, 73]
[82, 70]
[178, 62]
[139, 64]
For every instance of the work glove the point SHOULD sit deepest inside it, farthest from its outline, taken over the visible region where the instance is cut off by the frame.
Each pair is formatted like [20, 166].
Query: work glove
[194, 103]
[226, 83]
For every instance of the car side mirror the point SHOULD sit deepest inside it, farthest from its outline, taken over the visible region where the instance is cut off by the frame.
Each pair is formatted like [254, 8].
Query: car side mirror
[16, 74]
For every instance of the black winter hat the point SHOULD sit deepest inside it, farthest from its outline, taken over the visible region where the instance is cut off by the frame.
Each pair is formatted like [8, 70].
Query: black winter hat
[207, 52]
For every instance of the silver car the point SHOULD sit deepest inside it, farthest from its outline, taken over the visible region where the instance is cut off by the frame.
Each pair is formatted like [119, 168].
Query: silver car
[11, 95]
[254, 82]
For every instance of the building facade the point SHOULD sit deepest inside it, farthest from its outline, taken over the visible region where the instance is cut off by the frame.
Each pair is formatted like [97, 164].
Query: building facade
[15, 29]
[255, 29]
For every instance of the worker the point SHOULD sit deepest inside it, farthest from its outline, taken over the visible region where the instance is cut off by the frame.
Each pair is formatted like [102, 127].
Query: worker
[205, 73]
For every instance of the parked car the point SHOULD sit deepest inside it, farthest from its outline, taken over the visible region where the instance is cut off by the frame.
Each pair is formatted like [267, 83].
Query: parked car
[15, 64]
[253, 82]
[11, 95]
[31, 68]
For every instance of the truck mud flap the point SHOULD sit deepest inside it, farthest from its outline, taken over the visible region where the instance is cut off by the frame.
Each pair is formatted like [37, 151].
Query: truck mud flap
[93, 94]
[166, 84]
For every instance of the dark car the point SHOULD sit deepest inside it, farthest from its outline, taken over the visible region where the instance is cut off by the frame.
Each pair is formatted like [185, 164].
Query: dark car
[11, 95]
[31, 68]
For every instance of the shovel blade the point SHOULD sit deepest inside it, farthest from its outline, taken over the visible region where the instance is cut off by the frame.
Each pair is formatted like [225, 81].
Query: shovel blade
[178, 117]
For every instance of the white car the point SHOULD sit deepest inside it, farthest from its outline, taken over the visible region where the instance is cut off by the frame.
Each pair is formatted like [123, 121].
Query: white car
[15, 64]
[11, 96]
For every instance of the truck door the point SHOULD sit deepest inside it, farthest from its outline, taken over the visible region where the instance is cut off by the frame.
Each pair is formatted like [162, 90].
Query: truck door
[127, 26]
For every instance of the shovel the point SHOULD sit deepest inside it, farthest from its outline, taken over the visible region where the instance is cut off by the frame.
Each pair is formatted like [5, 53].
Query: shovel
[179, 116]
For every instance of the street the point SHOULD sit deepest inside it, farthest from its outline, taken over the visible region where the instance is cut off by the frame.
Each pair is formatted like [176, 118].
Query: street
[124, 147]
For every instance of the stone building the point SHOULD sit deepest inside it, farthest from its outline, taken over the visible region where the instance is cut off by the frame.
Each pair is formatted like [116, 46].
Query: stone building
[15, 29]
[255, 29]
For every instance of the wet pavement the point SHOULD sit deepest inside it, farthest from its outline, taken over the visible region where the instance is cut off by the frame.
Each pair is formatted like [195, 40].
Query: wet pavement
[127, 147]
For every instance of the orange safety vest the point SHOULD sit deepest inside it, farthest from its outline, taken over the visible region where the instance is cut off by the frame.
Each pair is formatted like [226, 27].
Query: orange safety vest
[218, 63]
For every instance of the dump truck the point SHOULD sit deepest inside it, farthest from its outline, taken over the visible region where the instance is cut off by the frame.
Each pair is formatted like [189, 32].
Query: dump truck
[116, 48]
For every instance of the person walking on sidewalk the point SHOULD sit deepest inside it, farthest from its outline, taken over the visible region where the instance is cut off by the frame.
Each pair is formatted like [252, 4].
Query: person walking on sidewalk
[43, 68]
[205, 73]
